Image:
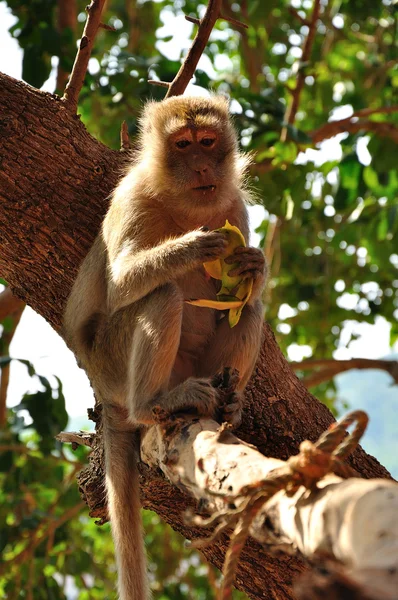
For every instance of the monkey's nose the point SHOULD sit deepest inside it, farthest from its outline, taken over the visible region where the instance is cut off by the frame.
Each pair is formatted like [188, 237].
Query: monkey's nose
[201, 170]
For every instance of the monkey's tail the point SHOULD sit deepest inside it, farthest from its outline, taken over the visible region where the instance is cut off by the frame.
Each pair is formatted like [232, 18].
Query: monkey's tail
[122, 483]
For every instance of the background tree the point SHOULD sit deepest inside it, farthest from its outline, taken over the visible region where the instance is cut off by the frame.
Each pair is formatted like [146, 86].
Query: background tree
[328, 228]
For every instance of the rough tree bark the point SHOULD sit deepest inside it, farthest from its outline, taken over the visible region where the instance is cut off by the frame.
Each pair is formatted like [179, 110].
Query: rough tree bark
[54, 182]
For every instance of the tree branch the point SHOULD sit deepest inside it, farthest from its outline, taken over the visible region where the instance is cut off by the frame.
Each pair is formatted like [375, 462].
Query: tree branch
[124, 137]
[330, 367]
[295, 97]
[10, 306]
[67, 19]
[187, 69]
[93, 22]
[354, 123]
[76, 438]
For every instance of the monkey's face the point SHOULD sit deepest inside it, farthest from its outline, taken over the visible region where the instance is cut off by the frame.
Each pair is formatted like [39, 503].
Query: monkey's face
[190, 153]
[195, 158]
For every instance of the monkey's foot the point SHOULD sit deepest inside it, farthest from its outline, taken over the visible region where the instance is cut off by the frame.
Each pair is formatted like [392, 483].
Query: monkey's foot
[230, 402]
[231, 409]
[194, 396]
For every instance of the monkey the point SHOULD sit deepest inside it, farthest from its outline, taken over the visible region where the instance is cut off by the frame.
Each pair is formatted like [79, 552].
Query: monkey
[126, 317]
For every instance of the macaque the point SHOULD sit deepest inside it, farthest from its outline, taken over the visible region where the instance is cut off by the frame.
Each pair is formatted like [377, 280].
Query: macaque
[126, 318]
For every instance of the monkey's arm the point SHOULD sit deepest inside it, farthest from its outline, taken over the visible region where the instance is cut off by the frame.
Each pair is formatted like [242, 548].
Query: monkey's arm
[134, 273]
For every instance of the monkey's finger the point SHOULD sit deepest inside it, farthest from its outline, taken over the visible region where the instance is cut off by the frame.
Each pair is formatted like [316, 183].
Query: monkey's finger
[248, 261]
[245, 257]
[243, 268]
[209, 238]
[248, 250]
[208, 253]
[234, 418]
[230, 259]
[254, 274]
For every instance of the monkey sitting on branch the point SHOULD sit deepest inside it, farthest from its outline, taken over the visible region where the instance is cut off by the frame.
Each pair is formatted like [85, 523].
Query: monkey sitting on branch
[126, 318]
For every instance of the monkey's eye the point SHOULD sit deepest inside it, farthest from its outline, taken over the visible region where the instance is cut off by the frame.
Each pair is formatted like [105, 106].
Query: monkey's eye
[207, 141]
[182, 144]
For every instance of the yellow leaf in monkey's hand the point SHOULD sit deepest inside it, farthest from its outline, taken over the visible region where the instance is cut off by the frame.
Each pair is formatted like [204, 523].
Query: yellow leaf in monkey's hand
[218, 269]
[244, 293]
[235, 291]
[217, 304]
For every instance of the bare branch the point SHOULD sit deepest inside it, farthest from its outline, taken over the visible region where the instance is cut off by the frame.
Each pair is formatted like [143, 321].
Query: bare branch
[107, 27]
[72, 90]
[67, 19]
[79, 438]
[9, 304]
[188, 67]
[164, 84]
[328, 368]
[234, 21]
[297, 16]
[205, 26]
[294, 104]
[352, 124]
[193, 20]
[124, 137]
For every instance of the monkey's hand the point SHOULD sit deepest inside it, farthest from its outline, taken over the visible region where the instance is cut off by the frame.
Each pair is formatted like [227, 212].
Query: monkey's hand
[249, 262]
[202, 245]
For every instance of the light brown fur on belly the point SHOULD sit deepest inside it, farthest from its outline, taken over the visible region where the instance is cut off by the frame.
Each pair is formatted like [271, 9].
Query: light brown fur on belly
[198, 324]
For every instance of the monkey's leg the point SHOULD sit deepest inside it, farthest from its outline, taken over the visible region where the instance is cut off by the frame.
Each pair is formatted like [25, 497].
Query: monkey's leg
[149, 349]
[154, 352]
[236, 347]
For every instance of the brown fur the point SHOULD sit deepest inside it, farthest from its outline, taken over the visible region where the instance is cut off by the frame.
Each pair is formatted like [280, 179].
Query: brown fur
[126, 319]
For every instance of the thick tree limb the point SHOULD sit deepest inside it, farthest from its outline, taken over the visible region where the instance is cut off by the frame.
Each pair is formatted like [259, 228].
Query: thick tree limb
[54, 184]
[328, 368]
[93, 22]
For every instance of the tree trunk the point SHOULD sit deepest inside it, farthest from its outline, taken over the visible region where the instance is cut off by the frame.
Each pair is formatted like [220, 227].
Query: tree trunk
[54, 182]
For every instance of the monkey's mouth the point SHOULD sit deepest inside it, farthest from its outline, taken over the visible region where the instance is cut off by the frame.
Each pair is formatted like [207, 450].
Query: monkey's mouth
[206, 188]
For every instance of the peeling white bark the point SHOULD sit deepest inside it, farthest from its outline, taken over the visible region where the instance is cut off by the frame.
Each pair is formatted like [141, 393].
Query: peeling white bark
[353, 521]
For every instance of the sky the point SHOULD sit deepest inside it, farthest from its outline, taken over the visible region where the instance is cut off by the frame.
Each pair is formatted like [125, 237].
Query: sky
[36, 341]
